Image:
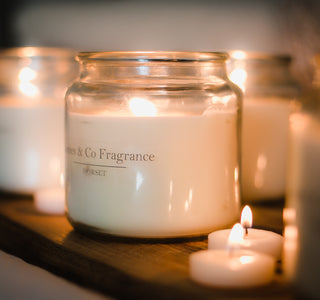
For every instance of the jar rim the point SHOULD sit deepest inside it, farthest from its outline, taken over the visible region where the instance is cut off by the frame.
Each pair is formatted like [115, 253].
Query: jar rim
[51, 53]
[153, 56]
[259, 56]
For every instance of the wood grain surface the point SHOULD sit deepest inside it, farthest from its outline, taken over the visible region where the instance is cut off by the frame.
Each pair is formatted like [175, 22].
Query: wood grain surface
[122, 268]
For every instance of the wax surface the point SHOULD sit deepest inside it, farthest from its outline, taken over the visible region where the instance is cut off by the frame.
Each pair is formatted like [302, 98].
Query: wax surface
[262, 241]
[242, 269]
[31, 145]
[264, 148]
[185, 184]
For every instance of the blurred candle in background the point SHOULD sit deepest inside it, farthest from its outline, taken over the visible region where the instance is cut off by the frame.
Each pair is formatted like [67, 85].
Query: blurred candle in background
[302, 212]
[33, 82]
[269, 95]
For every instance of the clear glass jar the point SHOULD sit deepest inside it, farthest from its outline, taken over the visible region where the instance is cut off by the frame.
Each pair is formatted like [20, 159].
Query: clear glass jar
[152, 144]
[302, 212]
[270, 95]
[33, 82]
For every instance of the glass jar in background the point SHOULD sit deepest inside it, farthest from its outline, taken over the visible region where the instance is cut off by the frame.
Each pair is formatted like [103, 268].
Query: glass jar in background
[302, 212]
[33, 82]
[270, 95]
[152, 144]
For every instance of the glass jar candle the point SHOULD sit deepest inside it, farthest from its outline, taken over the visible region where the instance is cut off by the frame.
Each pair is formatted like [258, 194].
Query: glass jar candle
[152, 144]
[302, 212]
[270, 94]
[33, 82]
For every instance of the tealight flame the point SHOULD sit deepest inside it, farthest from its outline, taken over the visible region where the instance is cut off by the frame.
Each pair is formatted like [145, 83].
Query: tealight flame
[236, 236]
[142, 108]
[246, 218]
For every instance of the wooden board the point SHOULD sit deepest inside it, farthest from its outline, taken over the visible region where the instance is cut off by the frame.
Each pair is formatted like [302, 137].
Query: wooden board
[123, 268]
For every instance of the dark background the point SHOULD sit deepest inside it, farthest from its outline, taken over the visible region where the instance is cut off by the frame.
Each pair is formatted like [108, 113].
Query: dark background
[273, 26]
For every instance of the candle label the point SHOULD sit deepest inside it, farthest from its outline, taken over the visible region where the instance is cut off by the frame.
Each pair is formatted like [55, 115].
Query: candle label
[90, 156]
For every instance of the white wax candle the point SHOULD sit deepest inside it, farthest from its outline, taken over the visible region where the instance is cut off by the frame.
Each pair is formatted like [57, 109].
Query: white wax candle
[186, 183]
[302, 233]
[50, 201]
[241, 269]
[31, 144]
[265, 124]
[258, 240]
[290, 252]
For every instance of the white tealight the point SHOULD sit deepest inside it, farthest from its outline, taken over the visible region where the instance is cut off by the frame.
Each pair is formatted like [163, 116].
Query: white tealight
[50, 201]
[242, 269]
[259, 240]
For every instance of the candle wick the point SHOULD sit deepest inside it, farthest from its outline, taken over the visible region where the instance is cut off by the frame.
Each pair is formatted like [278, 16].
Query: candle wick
[246, 230]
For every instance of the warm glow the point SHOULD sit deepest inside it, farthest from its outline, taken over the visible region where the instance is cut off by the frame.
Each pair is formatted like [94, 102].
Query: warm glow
[236, 235]
[142, 108]
[27, 74]
[246, 259]
[61, 180]
[238, 54]
[239, 77]
[246, 217]
[29, 51]
[262, 162]
[26, 87]
[290, 232]
[289, 215]
[299, 122]
[236, 175]
[290, 251]
[224, 100]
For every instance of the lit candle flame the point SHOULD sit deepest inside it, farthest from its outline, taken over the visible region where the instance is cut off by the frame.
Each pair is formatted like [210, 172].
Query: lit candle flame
[246, 218]
[235, 237]
[142, 108]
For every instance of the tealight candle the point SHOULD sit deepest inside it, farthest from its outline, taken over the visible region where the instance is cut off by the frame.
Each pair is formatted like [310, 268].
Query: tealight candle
[50, 201]
[236, 268]
[259, 240]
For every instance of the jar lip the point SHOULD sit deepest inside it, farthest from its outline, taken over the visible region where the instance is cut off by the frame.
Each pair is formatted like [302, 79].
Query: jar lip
[153, 56]
[259, 56]
[50, 53]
